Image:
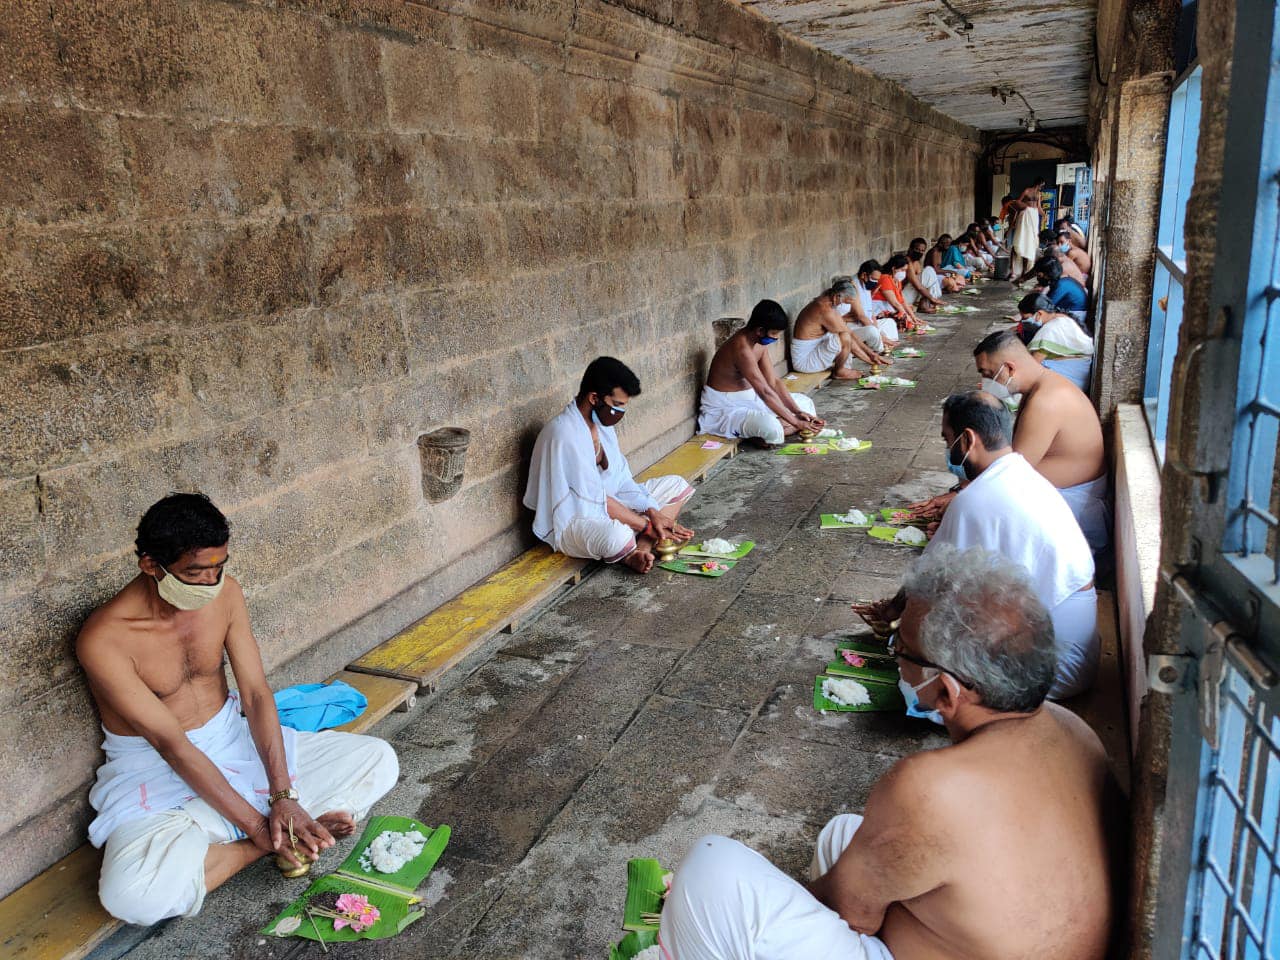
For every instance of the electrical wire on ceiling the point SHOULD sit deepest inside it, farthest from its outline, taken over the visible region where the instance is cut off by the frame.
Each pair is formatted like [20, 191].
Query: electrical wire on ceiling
[965, 23]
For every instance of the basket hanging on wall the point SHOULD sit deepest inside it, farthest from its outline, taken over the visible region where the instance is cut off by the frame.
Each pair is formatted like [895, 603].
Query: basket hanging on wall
[443, 454]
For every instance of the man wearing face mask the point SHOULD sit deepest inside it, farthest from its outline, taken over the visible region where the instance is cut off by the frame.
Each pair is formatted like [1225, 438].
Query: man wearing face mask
[1078, 255]
[881, 312]
[923, 288]
[1057, 431]
[191, 792]
[939, 866]
[586, 503]
[1010, 508]
[824, 340]
[743, 396]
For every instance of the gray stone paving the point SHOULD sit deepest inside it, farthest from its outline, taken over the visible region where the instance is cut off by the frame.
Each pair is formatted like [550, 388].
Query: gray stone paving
[639, 713]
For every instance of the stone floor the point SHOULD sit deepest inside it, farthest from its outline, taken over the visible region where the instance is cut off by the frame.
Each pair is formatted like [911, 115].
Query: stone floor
[639, 713]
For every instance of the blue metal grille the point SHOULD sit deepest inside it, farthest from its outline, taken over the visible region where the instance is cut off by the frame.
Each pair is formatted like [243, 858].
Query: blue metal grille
[1235, 911]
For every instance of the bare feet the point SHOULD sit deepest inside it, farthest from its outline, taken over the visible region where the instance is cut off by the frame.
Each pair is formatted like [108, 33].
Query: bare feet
[846, 373]
[639, 560]
[339, 823]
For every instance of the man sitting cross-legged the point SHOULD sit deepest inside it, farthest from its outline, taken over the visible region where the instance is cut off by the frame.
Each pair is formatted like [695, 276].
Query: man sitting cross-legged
[822, 340]
[998, 847]
[743, 397]
[586, 503]
[191, 791]
[1010, 508]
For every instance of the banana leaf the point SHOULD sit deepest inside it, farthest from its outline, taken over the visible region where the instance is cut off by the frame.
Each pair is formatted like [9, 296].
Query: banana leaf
[645, 890]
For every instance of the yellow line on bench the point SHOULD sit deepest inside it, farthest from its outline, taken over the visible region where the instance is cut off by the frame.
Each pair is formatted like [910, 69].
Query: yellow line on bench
[442, 638]
[690, 460]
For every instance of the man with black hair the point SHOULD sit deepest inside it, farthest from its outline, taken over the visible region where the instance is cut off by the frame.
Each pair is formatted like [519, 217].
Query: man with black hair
[823, 340]
[191, 792]
[923, 287]
[1057, 430]
[1077, 254]
[1011, 509]
[1026, 230]
[881, 312]
[743, 397]
[1066, 295]
[585, 500]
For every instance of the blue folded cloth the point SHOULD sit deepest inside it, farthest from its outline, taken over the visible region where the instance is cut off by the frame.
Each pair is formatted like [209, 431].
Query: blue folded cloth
[319, 706]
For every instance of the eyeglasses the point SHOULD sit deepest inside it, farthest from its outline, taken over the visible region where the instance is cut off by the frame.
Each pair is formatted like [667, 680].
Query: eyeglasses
[897, 653]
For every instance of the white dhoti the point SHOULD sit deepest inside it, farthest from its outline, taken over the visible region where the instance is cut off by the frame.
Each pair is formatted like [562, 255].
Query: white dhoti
[593, 538]
[727, 902]
[153, 863]
[870, 335]
[741, 413]
[930, 280]
[1075, 638]
[1088, 501]
[813, 356]
[1025, 242]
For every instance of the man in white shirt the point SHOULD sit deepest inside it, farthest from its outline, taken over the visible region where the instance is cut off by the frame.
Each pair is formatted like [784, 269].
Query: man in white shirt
[1011, 509]
[586, 503]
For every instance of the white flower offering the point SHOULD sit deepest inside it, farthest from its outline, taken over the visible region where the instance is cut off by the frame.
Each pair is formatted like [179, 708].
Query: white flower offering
[649, 953]
[910, 535]
[854, 516]
[827, 433]
[909, 352]
[845, 692]
[391, 850]
[718, 546]
[845, 443]
[899, 381]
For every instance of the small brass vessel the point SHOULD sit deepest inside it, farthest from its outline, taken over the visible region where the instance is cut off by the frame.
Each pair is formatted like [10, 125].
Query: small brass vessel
[288, 870]
[666, 549]
[807, 433]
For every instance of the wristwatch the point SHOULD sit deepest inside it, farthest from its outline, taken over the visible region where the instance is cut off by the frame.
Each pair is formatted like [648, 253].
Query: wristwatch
[289, 794]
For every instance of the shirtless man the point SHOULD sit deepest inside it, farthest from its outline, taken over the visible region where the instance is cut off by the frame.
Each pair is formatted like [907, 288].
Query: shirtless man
[923, 286]
[939, 866]
[191, 792]
[822, 340]
[1067, 243]
[1057, 431]
[743, 397]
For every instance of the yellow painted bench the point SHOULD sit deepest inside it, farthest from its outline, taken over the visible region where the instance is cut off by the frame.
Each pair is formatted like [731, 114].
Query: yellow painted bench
[807, 382]
[57, 916]
[1102, 707]
[690, 460]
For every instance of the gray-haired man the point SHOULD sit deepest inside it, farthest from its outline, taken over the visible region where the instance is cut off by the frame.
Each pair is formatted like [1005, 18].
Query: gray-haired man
[823, 340]
[995, 848]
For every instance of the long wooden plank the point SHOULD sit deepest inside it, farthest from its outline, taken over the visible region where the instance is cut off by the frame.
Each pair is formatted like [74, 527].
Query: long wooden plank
[1103, 706]
[425, 650]
[690, 460]
[56, 915]
[384, 694]
[807, 382]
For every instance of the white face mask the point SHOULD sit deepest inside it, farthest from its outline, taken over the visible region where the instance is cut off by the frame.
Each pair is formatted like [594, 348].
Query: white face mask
[900, 275]
[843, 309]
[1000, 391]
[187, 596]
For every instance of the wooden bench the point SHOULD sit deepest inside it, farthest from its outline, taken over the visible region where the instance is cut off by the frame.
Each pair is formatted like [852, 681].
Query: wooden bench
[57, 916]
[807, 382]
[1103, 706]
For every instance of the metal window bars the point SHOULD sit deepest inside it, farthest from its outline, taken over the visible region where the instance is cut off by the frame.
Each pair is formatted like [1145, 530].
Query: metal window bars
[1236, 901]
[1263, 414]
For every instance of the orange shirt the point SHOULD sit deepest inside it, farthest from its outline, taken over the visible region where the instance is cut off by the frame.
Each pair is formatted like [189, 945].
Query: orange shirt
[887, 283]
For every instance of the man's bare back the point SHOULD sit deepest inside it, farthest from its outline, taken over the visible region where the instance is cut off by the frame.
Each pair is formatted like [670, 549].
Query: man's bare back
[1057, 413]
[817, 318]
[1016, 804]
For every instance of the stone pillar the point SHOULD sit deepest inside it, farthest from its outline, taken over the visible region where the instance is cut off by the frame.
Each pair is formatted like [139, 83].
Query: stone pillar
[1133, 211]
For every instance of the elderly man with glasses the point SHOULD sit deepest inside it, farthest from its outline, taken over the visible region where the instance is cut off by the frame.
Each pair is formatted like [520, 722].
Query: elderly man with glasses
[998, 847]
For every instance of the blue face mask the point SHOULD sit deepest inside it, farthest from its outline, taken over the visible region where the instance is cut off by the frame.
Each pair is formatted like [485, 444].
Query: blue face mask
[957, 469]
[909, 694]
[768, 340]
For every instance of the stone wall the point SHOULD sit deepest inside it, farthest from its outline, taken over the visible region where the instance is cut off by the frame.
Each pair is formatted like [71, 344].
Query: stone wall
[258, 248]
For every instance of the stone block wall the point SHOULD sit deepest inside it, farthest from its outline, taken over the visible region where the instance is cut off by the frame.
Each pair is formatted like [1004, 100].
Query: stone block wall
[257, 248]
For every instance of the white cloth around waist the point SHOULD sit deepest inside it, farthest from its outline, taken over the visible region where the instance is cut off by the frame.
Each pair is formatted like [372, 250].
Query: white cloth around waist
[135, 781]
[813, 356]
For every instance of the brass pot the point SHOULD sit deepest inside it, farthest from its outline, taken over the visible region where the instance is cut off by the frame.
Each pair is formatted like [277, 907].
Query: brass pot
[808, 433]
[288, 870]
[666, 549]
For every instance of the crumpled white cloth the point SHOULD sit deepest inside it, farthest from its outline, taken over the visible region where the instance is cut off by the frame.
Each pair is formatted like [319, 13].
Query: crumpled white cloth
[137, 782]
